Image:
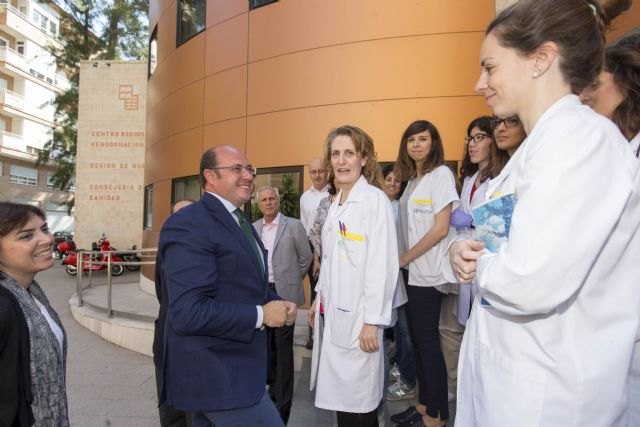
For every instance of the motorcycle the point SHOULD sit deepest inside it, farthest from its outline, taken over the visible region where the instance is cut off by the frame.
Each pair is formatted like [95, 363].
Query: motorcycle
[132, 257]
[103, 245]
[64, 248]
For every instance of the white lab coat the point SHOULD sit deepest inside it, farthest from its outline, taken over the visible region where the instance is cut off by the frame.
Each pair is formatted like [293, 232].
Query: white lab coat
[634, 374]
[554, 347]
[358, 277]
[433, 192]
[468, 291]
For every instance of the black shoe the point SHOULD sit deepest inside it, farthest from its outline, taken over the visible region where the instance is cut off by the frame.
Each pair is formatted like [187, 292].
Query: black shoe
[406, 416]
[309, 344]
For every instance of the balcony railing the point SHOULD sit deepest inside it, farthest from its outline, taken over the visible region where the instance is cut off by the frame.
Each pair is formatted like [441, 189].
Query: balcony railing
[17, 60]
[12, 57]
[12, 141]
[40, 35]
[18, 102]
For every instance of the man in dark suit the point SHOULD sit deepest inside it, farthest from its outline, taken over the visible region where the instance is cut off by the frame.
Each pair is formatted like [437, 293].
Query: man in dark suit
[215, 347]
[169, 416]
[289, 257]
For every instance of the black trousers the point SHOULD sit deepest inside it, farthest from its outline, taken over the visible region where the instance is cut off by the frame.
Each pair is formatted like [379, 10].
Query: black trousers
[349, 419]
[281, 389]
[169, 416]
[281, 378]
[423, 313]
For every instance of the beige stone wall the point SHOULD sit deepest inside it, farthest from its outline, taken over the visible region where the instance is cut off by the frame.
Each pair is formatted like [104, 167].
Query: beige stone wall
[501, 4]
[110, 158]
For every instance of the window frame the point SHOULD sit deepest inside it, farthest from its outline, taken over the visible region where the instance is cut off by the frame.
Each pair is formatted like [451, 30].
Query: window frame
[23, 179]
[152, 39]
[278, 170]
[147, 216]
[256, 4]
[178, 180]
[179, 40]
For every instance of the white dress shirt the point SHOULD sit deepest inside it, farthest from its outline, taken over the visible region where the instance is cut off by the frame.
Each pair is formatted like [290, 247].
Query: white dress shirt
[268, 236]
[309, 202]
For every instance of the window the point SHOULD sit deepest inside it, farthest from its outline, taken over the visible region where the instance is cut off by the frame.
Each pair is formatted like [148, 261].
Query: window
[258, 3]
[187, 187]
[53, 28]
[20, 47]
[33, 150]
[148, 207]
[153, 52]
[22, 175]
[50, 182]
[191, 19]
[40, 20]
[288, 181]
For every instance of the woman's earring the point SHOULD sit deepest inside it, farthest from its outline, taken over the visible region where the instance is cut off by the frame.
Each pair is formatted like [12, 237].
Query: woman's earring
[537, 72]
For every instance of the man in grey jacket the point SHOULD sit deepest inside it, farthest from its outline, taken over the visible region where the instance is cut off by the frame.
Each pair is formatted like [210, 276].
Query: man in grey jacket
[289, 257]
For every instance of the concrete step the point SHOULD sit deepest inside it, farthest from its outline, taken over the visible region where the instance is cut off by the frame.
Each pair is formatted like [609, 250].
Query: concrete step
[134, 311]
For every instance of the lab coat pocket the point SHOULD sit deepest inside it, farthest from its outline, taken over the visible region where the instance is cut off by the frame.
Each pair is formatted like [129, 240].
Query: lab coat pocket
[511, 393]
[343, 329]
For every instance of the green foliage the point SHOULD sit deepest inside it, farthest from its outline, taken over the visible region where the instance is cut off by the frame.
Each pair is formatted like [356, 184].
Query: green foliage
[124, 37]
[289, 197]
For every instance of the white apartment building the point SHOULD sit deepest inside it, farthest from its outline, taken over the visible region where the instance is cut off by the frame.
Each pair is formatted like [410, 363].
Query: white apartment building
[29, 82]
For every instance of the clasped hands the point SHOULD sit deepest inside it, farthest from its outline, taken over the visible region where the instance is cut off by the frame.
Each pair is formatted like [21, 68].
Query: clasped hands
[463, 256]
[279, 313]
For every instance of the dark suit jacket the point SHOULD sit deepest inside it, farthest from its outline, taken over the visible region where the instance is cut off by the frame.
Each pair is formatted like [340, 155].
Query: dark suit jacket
[15, 392]
[214, 357]
[163, 299]
[291, 257]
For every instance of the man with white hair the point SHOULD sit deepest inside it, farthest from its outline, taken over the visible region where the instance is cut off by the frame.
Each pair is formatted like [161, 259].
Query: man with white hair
[288, 260]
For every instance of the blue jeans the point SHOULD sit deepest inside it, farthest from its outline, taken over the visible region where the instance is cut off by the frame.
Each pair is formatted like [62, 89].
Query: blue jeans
[262, 413]
[405, 356]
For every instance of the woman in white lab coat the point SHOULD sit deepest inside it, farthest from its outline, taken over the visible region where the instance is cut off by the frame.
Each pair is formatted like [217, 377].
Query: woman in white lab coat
[550, 339]
[482, 161]
[425, 211]
[358, 276]
[616, 95]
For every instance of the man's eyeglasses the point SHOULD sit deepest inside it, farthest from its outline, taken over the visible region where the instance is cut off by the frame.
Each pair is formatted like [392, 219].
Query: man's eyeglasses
[509, 122]
[477, 138]
[237, 169]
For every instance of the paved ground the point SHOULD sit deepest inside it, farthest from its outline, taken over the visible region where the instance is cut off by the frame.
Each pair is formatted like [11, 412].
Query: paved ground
[110, 386]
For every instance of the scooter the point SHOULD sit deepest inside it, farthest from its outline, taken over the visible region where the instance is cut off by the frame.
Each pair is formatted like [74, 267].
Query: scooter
[64, 248]
[97, 260]
[131, 257]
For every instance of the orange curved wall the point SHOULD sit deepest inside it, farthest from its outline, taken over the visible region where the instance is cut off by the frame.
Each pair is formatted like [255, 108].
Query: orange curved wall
[273, 81]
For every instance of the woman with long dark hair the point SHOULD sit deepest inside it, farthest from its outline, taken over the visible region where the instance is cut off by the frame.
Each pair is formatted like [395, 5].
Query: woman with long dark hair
[548, 342]
[424, 217]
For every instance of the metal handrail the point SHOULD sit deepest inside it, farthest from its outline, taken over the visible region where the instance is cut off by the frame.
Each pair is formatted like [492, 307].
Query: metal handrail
[91, 261]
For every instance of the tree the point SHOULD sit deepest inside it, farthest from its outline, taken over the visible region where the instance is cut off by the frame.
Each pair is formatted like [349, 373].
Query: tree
[123, 36]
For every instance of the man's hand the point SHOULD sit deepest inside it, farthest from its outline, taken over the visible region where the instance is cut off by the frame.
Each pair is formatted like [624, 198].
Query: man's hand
[292, 312]
[369, 338]
[463, 256]
[274, 313]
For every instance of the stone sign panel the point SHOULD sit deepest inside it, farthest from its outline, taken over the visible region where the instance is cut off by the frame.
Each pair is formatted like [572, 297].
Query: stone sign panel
[111, 155]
